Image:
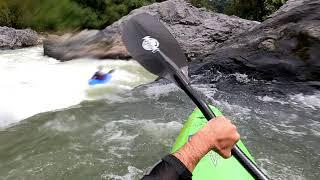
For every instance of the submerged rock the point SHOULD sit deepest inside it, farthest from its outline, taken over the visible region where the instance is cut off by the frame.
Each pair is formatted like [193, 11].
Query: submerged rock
[197, 30]
[285, 46]
[11, 38]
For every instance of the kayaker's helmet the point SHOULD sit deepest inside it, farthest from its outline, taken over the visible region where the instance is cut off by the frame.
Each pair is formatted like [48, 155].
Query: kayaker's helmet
[100, 68]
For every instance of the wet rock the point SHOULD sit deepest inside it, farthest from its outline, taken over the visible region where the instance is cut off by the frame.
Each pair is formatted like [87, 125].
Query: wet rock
[285, 46]
[11, 38]
[268, 44]
[197, 30]
[87, 43]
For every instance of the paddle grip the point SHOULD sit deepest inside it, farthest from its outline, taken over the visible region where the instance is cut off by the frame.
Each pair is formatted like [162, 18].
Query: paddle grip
[207, 112]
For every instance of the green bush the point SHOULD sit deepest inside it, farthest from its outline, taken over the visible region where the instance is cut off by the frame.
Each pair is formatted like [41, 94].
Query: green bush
[65, 15]
[69, 15]
[253, 9]
[248, 9]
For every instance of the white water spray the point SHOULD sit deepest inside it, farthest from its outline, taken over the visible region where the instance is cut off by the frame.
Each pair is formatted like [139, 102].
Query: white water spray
[32, 83]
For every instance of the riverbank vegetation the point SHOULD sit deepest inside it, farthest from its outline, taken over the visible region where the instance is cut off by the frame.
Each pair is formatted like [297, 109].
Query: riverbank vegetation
[65, 15]
[257, 10]
[53, 15]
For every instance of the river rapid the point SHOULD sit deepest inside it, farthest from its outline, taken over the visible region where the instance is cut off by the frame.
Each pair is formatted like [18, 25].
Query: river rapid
[54, 126]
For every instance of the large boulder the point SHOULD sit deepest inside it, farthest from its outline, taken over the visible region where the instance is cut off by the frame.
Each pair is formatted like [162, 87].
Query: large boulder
[285, 46]
[197, 30]
[11, 38]
[87, 43]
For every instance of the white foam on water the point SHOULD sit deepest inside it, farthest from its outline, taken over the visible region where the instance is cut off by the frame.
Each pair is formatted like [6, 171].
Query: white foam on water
[242, 78]
[209, 92]
[315, 128]
[113, 132]
[206, 89]
[61, 124]
[237, 110]
[157, 90]
[270, 99]
[309, 101]
[133, 172]
[32, 83]
[160, 128]
[147, 125]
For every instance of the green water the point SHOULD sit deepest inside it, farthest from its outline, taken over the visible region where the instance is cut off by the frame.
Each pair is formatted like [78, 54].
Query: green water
[124, 132]
[122, 140]
[94, 140]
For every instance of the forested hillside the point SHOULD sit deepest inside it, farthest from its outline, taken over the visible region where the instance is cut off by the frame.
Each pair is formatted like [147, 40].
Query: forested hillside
[65, 15]
[57, 15]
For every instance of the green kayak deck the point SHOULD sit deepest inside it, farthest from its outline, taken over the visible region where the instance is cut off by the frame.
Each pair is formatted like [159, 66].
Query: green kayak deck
[212, 166]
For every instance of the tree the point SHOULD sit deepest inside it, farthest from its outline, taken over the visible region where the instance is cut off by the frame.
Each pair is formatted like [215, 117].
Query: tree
[202, 3]
[253, 9]
[48, 15]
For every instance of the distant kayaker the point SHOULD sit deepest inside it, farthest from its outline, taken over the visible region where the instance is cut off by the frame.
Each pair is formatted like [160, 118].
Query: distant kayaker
[100, 74]
[219, 135]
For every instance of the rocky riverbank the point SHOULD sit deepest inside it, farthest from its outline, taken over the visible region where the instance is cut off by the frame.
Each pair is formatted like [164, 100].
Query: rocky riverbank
[11, 38]
[285, 46]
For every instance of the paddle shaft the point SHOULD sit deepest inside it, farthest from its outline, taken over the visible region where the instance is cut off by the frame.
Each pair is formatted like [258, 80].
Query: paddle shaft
[153, 46]
[184, 84]
[236, 151]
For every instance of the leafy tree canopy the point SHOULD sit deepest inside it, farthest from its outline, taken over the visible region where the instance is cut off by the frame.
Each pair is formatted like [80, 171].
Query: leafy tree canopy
[62, 15]
[65, 15]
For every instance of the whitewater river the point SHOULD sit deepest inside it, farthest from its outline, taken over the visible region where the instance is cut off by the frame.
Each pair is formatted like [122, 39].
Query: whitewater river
[53, 126]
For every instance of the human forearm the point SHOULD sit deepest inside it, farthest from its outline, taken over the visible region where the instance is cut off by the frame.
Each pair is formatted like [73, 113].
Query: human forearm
[192, 152]
[219, 134]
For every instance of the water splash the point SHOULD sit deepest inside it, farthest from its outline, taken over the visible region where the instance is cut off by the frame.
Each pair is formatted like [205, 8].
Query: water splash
[33, 83]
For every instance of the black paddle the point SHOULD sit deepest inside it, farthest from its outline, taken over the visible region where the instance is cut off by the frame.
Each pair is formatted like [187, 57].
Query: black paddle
[153, 46]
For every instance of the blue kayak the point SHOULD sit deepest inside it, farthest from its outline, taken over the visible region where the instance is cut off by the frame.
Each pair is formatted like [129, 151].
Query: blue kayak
[106, 78]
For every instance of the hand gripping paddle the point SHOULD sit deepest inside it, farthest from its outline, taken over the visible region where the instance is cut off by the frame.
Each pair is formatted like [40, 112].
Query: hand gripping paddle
[151, 44]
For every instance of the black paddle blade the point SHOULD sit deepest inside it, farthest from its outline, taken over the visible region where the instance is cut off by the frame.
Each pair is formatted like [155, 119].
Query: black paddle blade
[152, 45]
[144, 37]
